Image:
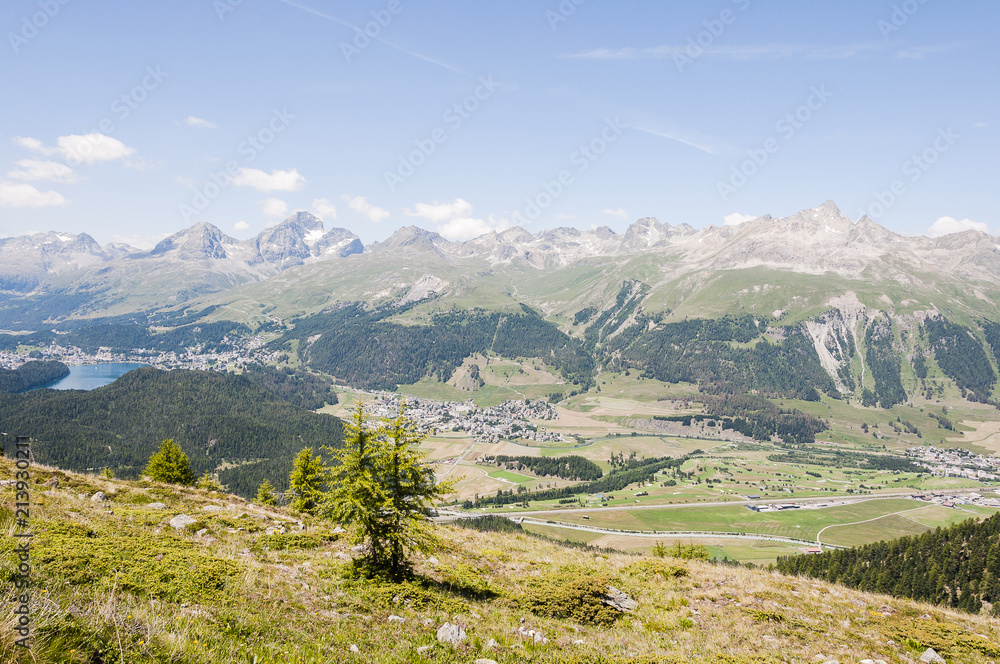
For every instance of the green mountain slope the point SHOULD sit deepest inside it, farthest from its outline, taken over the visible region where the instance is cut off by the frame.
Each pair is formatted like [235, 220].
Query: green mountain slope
[221, 422]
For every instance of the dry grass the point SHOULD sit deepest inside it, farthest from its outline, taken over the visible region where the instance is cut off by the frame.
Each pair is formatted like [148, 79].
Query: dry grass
[298, 604]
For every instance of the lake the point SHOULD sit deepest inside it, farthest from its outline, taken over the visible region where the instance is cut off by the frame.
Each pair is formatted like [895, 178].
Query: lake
[91, 376]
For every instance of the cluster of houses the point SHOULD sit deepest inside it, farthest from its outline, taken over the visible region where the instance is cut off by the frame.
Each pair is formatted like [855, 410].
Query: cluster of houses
[956, 463]
[244, 351]
[945, 499]
[510, 420]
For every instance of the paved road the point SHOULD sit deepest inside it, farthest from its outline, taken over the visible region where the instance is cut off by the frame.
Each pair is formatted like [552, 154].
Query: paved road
[661, 534]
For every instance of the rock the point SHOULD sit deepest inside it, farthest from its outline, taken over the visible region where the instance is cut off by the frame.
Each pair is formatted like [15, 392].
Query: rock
[156, 506]
[931, 657]
[492, 644]
[432, 560]
[538, 637]
[181, 521]
[820, 657]
[618, 600]
[579, 642]
[483, 660]
[53, 482]
[338, 530]
[396, 619]
[423, 649]
[212, 508]
[158, 556]
[449, 633]
[354, 648]
[201, 532]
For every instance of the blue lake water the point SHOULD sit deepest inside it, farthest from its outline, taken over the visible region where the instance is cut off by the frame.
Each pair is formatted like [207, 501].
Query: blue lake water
[91, 376]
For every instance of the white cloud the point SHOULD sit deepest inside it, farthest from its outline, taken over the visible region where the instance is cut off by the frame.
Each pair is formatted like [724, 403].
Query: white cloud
[273, 207]
[464, 228]
[948, 225]
[324, 209]
[80, 148]
[438, 212]
[727, 52]
[36, 169]
[289, 180]
[241, 226]
[24, 195]
[92, 148]
[200, 123]
[620, 213]
[563, 215]
[145, 242]
[980, 125]
[454, 221]
[735, 219]
[361, 205]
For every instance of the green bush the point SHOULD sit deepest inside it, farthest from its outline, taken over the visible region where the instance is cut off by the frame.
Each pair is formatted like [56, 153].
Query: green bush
[572, 595]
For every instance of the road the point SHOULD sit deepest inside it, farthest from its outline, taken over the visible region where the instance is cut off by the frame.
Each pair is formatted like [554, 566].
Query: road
[839, 500]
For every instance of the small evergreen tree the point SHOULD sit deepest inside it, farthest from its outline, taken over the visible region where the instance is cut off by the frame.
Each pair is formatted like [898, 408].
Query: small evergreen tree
[169, 464]
[265, 494]
[384, 491]
[208, 482]
[308, 479]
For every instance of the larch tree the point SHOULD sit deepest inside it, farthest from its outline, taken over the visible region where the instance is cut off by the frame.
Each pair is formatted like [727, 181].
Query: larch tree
[308, 480]
[169, 464]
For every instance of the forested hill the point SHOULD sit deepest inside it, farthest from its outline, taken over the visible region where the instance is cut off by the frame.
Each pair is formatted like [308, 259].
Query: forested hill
[30, 375]
[216, 418]
[958, 566]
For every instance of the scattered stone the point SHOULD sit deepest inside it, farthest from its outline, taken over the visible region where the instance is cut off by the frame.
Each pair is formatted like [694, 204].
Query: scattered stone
[449, 633]
[483, 660]
[423, 649]
[201, 532]
[83, 496]
[181, 521]
[432, 560]
[931, 657]
[579, 642]
[338, 530]
[355, 648]
[156, 506]
[428, 622]
[158, 556]
[396, 619]
[359, 548]
[492, 644]
[535, 636]
[53, 482]
[820, 657]
[212, 508]
[619, 601]
[926, 616]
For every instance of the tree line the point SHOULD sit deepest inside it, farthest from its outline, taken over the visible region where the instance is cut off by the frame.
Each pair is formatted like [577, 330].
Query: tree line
[571, 467]
[957, 566]
[30, 375]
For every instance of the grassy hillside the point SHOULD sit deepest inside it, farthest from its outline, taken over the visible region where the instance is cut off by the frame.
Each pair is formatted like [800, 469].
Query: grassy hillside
[113, 582]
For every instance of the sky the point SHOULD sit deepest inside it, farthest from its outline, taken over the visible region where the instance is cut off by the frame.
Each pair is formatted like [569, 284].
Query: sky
[134, 120]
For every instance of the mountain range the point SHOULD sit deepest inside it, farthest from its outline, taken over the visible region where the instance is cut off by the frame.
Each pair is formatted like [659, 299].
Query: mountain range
[796, 265]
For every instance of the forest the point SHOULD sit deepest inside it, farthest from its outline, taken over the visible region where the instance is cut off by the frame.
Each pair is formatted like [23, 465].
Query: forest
[631, 470]
[961, 357]
[30, 375]
[218, 419]
[302, 388]
[365, 350]
[572, 467]
[957, 566]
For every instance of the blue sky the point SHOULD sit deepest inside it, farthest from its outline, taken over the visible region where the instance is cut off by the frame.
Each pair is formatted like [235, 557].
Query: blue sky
[132, 120]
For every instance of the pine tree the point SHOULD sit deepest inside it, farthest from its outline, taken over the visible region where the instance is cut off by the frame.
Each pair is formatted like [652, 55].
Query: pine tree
[265, 494]
[381, 488]
[169, 464]
[307, 480]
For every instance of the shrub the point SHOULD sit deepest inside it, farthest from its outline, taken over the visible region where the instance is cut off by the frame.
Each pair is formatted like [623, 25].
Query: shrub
[572, 595]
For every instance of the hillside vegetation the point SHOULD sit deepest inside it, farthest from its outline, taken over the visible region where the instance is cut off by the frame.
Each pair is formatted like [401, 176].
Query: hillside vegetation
[221, 421]
[114, 582]
[958, 566]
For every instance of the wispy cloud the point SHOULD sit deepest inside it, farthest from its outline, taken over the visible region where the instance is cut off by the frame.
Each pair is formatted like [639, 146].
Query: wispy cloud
[920, 52]
[674, 135]
[200, 123]
[390, 44]
[731, 52]
[620, 212]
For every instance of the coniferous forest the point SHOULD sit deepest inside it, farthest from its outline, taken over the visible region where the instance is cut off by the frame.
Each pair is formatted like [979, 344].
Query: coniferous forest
[957, 566]
[218, 419]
